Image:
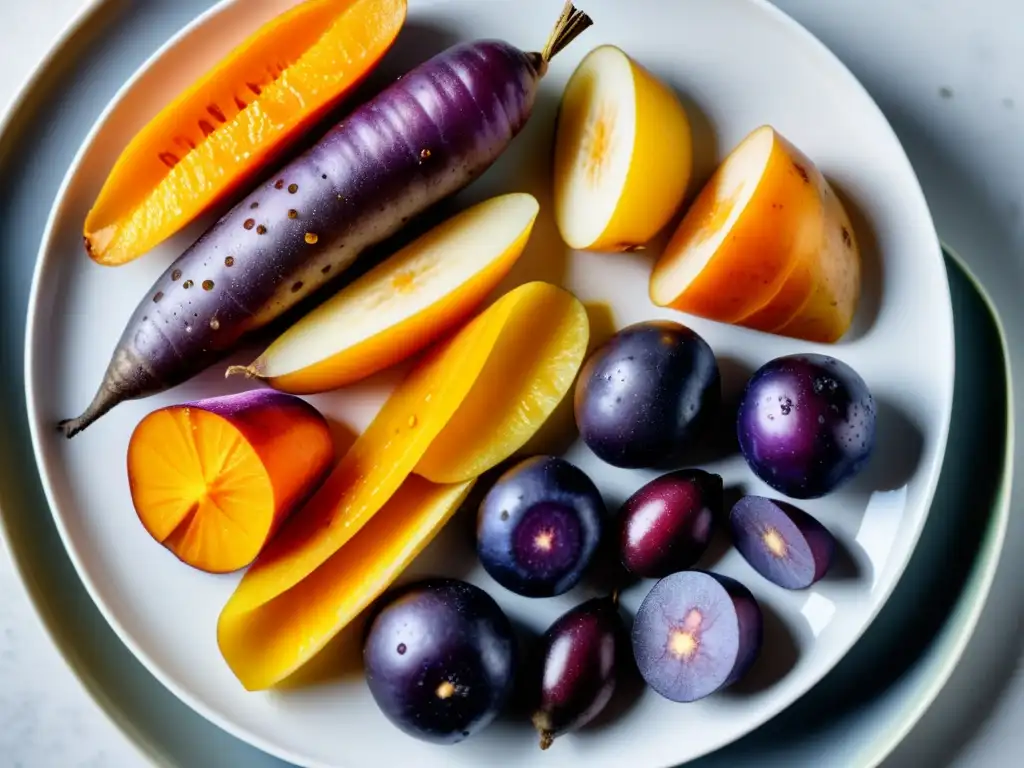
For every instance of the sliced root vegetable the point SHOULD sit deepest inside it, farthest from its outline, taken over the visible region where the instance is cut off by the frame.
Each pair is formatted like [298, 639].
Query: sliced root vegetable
[781, 542]
[403, 304]
[623, 154]
[265, 645]
[529, 372]
[214, 479]
[223, 129]
[758, 223]
[386, 454]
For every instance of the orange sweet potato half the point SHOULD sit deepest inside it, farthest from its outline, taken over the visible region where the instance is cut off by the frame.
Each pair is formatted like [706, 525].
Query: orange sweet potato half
[213, 480]
[231, 122]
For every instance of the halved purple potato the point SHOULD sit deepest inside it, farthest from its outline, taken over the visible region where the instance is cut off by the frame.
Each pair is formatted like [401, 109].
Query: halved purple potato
[579, 654]
[806, 424]
[667, 524]
[644, 396]
[696, 633]
[539, 526]
[440, 659]
[784, 544]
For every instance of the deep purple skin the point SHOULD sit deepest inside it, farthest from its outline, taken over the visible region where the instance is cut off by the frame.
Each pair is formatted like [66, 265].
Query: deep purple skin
[420, 140]
[724, 649]
[440, 659]
[808, 545]
[579, 651]
[539, 526]
[646, 394]
[806, 424]
[668, 523]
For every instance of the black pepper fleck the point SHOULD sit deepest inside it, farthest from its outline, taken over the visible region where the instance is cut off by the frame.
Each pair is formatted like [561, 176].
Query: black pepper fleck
[187, 284]
[292, 213]
[254, 206]
[176, 275]
[296, 286]
[279, 184]
[157, 296]
[249, 223]
[261, 230]
[293, 188]
[207, 285]
[229, 261]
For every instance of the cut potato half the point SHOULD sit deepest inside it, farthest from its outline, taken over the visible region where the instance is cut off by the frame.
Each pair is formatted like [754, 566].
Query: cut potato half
[403, 304]
[767, 245]
[623, 154]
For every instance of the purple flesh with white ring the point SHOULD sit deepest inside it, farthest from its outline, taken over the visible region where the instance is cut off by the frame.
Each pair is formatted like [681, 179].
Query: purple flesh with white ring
[539, 526]
[417, 142]
[696, 633]
[668, 523]
[784, 544]
[806, 424]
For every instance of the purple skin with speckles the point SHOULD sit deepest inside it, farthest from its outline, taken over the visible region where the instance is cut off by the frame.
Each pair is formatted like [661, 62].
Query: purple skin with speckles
[646, 394]
[419, 141]
[806, 424]
[579, 653]
[539, 526]
[784, 544]
[696, 633]
[667, 524]
[440, 659]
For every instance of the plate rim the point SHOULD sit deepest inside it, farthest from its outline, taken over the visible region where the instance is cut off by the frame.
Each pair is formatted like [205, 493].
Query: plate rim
[842, 72]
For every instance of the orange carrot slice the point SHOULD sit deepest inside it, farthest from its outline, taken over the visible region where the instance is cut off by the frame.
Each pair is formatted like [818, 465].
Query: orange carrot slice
[234, 120]
[213, 480]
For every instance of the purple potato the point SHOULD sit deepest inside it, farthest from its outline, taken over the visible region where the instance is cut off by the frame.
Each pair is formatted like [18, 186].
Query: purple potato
[440, 659]
[420, 140]
[784, 544]
[806, 424]
[666, 525]
[539, 526]
[696, 633]
[580, 653]
[645, 395]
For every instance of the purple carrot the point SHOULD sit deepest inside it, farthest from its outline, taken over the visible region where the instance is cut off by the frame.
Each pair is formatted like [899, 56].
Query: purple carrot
[419, 141]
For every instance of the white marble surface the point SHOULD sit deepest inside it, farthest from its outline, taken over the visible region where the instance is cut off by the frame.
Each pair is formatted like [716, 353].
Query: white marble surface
[950, 76]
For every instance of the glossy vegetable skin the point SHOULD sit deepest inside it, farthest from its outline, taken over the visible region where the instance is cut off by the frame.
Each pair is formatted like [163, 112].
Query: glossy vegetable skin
[420, 140]
[440, 659]
[668, 523]
[645, 395]
[806, 424]
[580, 653]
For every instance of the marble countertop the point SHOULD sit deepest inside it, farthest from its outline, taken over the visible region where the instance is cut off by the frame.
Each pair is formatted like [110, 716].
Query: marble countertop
[949, 74]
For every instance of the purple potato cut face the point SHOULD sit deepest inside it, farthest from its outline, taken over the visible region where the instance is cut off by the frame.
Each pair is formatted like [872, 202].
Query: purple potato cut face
[539, 526]
[784, 544]
[667, 524]
[646, 394]
[806, 424]
[580, 653]
[440, 661]
[696, 633]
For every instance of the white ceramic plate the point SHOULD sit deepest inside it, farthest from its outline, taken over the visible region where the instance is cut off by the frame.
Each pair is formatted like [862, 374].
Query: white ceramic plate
[738, 64]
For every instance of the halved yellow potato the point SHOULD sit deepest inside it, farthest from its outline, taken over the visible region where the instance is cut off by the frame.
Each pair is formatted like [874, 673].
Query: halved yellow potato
[766, 245]
[623, 154]
[403, 304]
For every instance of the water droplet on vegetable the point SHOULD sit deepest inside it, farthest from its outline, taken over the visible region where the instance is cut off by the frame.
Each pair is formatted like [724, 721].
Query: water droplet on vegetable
[424, 154]
[207, 285]
[214, 323]
[412, 421]
[249, 223]
[176, 275]
[402, 649]
[312, 237]
[323, 175]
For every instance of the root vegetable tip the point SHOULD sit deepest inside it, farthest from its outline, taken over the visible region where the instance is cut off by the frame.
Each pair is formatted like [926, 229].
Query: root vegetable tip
[570, 25]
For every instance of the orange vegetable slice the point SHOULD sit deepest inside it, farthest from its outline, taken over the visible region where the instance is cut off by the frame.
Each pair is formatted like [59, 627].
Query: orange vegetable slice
[267, 645]
[233, 121]
[213, 480]
[370, 474]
